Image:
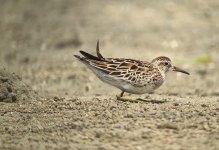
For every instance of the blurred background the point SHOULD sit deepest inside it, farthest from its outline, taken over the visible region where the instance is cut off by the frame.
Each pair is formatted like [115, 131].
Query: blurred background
[39, 38]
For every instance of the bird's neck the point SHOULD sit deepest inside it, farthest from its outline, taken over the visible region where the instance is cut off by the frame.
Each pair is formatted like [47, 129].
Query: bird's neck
[162, 72]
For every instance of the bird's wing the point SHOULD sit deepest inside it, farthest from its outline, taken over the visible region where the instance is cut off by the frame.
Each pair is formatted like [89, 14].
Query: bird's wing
[124, 69]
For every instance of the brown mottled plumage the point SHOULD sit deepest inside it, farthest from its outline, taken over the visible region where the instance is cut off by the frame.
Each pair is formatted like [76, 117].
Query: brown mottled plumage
[129, 75]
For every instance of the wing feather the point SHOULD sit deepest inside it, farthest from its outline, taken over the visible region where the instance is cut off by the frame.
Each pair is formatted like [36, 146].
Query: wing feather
[128, 70]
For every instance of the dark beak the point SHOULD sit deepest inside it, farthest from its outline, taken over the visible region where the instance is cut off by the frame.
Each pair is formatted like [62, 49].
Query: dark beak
[179, 70]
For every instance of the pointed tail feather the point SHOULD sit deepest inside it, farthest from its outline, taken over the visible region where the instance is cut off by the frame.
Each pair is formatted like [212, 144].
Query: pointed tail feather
[89, 56]
[98, 51]
[82, 59]
[78, 57]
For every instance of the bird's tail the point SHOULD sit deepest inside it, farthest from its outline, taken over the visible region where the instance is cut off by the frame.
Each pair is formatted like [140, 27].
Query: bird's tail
[84, 60]
[99, 55]
[88, 56]
[79, 57]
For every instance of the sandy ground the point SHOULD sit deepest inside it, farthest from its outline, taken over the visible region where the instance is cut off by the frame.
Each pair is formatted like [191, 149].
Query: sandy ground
[49, 100]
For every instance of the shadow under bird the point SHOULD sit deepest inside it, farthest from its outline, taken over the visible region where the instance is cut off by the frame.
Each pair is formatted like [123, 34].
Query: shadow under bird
[129, 75]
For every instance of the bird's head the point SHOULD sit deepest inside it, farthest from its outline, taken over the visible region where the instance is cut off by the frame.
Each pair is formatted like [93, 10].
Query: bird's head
[164, 64]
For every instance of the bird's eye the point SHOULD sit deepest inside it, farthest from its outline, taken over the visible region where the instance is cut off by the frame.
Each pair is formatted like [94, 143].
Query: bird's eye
[166, 63]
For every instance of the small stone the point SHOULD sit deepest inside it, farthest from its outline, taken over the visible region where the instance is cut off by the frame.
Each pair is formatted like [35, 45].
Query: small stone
[14, 98]
[168, 126]
[56, 98]
[87, 87]
[129, 115]
[175, 104]
[9, 89]
[3, 79]
[204, 105]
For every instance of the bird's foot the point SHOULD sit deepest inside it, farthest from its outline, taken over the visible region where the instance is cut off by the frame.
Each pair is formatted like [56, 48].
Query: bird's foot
[125, 99]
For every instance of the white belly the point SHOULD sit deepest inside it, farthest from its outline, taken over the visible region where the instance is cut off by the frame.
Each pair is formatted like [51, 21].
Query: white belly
[135, 89]
[127, 87]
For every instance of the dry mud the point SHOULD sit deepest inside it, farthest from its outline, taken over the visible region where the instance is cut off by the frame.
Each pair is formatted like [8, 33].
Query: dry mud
[49, 100]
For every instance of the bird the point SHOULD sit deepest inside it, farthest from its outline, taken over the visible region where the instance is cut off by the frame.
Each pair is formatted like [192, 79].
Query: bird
[129, 75]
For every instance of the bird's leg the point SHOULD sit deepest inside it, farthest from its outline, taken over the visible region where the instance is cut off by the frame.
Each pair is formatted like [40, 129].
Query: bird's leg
[120, 97]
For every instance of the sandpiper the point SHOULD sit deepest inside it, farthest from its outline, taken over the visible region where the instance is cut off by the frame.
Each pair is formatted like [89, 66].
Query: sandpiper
[129, 75]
